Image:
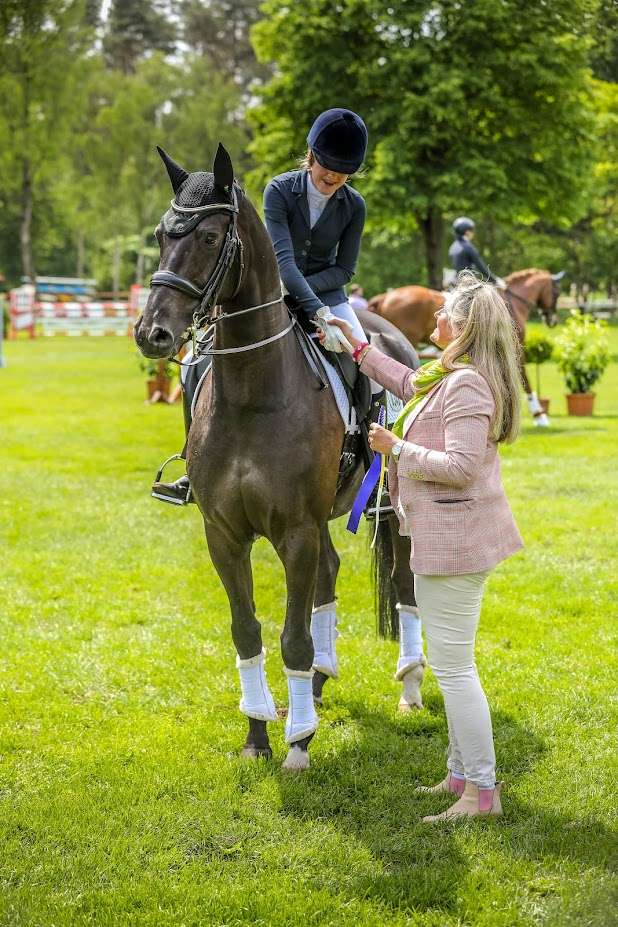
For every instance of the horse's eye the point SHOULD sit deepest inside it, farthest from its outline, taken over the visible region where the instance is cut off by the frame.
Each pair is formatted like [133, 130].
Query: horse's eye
[211, 238]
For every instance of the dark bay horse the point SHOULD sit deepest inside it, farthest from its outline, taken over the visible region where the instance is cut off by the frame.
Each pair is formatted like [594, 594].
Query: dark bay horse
[264, 446]
[412, 310]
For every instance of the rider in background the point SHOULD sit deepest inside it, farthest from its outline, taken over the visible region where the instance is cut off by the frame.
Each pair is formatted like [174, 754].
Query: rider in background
[463, 254]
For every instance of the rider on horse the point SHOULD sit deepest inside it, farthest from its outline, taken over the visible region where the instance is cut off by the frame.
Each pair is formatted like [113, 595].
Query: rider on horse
[315, 221]
[463, 254]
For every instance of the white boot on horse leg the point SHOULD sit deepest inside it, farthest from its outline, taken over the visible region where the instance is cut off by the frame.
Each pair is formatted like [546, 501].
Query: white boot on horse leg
[302, 719]
[411, 663]
[541, 419]
[324, 634]
[256, 700]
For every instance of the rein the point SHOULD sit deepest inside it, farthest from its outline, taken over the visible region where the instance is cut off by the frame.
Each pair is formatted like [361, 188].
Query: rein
[202, 348]
[522, 299]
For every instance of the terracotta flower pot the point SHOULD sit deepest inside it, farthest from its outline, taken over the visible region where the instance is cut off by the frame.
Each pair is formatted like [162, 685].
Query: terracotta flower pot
[544, 405]
[580, 403]
[158, 385]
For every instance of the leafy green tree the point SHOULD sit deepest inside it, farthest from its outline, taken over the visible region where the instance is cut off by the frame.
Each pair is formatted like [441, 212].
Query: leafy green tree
[41, 46]
[133, 29]
[219, 30]
[478, 107]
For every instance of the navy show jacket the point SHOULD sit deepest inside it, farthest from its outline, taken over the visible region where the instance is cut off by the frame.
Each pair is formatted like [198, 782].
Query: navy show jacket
[464, 256]
[314, 263]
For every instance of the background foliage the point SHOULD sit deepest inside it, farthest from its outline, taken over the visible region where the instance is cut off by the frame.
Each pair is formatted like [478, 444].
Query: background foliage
[499, 108]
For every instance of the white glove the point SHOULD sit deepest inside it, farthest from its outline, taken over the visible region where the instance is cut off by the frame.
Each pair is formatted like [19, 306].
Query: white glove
[335, 340]
[501, 284]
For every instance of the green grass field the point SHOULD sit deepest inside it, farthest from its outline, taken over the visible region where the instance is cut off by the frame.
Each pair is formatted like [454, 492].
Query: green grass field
[122, 797]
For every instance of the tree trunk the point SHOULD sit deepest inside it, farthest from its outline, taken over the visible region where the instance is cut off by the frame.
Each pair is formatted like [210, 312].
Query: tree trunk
[81, 253]
[139, 266]
[116, 267]
[432, 226]
[25, 228]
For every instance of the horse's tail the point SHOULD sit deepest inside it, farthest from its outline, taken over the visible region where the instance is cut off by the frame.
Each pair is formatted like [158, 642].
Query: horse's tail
[383, 560]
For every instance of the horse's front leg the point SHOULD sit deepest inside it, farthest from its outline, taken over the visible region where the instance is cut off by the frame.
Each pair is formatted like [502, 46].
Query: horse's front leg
[324, 616]
[411, 663]
[541, 419]
[299, 552]
[232, 562]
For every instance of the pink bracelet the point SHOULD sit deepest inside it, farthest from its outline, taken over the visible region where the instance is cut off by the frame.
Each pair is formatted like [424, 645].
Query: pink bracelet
[357, 351]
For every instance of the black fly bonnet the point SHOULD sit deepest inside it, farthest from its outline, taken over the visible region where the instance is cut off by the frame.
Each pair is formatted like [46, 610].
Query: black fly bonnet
[196, 196]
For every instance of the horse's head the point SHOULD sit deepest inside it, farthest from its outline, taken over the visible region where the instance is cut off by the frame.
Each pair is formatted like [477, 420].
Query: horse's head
[548, 297]
[199, 242]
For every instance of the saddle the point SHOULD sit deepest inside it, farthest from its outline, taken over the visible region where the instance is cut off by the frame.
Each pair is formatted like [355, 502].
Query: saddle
[356, 384]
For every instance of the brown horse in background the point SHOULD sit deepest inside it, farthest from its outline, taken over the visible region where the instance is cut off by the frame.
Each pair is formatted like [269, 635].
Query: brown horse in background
[412, 309]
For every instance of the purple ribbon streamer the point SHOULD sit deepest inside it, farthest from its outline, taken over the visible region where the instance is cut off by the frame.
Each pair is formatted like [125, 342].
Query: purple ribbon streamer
[367, 486]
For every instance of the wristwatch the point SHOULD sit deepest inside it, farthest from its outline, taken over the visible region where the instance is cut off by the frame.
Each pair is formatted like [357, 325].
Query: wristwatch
[396, 450]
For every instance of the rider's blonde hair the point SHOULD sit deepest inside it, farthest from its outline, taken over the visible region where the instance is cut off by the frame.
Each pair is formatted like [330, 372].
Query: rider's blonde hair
[484, 330]
[308, 159]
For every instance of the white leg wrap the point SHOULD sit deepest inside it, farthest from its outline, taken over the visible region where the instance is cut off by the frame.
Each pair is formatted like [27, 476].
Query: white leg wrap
[411, 695]
[324, 634]
[302, 719]
[536, 409]
[257, 701]
[533, 404]
[410, 640]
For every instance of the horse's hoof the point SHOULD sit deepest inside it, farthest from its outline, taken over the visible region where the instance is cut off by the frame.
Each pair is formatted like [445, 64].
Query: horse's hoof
[317, 701]
[406, 707]
[297, 760]
[256, 753]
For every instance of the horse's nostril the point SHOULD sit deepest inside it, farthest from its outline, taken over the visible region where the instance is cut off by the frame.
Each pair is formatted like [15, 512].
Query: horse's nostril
[160, 336]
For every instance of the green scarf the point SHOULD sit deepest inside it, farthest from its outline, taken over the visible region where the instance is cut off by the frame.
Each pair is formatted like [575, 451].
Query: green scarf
[424, 382]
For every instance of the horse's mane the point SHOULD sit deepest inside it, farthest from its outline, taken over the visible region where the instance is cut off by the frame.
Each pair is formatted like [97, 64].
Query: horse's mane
[520, 274]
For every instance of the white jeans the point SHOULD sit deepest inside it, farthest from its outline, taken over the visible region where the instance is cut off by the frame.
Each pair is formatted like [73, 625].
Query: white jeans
[344, 311]
[450, 608]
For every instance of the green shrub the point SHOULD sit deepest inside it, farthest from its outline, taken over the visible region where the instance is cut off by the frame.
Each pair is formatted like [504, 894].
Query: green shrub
[538, 348]
[153, 367]
[582, 352]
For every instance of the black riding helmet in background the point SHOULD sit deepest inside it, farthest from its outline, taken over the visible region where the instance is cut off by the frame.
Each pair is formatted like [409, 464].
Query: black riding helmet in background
[462, 225]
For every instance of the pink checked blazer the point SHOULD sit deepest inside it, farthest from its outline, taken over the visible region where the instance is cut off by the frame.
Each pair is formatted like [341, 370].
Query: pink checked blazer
[446, 486]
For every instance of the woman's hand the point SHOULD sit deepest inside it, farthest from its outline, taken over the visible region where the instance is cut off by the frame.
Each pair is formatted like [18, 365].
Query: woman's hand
[381, 440]
[345, 328]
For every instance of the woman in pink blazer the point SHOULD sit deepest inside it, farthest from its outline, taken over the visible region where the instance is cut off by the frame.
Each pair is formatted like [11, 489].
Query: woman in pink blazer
[445, 484]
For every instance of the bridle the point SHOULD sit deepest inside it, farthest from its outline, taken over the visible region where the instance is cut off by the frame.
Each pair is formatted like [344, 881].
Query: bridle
[207, 295]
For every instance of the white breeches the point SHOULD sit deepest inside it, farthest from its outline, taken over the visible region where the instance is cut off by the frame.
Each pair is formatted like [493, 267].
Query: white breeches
[450, 608]
[344, 311]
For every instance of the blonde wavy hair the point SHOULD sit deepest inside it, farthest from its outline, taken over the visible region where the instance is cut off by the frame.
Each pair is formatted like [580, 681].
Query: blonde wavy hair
[484, 330]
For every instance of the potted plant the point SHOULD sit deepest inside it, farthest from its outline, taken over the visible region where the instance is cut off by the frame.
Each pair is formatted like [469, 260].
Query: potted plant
[582, 355]
[160, 374]
[538, 349]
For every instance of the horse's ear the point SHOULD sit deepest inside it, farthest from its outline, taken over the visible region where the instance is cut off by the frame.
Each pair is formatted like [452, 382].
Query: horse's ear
[177, 174]
[223, 170]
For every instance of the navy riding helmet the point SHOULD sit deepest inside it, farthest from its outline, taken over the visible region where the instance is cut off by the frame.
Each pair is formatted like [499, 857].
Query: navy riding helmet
[338, 139]
[463, 225]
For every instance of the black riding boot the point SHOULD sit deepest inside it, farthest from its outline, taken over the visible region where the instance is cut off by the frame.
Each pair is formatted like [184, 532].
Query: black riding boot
[179, 492]
[377, 403]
